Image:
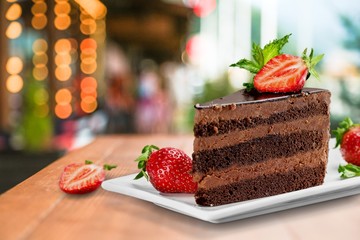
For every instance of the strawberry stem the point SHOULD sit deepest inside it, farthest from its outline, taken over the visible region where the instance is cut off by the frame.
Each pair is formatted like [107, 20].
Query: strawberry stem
[142, 159]
[108, 167]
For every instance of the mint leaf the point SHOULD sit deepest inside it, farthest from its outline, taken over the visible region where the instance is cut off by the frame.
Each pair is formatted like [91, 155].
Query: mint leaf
[258, 56]
[251, 66]
[273, 48]
[343, 127]
[249, 86]
[109, 167]
[349, 171]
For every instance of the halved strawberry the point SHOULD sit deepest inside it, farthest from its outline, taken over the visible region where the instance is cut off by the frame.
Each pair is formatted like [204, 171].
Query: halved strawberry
[283, 73]
[78, 178]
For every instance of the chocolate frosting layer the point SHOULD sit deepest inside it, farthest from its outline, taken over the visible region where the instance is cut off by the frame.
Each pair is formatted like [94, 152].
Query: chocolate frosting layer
[244, 97]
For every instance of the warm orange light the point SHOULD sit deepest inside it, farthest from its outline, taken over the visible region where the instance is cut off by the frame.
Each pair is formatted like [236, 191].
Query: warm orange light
[13, 30]
[62, 45]
[63, 111]
[62, 21]
[94, 8]
[14, 65]
[88, 92]
[62, 8]
[14, 12]
[39, 21]
[88, 104]
[62, 59]
[39, 7]
[14, 83]
[63, 96]
[88, 26]
[88, 61]
[63, 72]
[40, 59]
[88, 68]
[88, 82]
[40, 46]
[11, 1]
[40, 72]
[88, 43]
[88, 53]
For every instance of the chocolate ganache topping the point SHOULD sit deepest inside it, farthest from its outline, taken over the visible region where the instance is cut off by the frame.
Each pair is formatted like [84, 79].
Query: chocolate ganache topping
[244, 97]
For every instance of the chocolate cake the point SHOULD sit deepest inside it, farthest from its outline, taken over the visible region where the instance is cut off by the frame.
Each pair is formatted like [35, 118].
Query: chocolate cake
[252, 145]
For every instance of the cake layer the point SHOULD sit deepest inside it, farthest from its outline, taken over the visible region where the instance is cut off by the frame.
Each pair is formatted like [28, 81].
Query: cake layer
[277, 165]
[262, 186]
[259, 149]
[238, 136]
[229, 125]
[220, 110]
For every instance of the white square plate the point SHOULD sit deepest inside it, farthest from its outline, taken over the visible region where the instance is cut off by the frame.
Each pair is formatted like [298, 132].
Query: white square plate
[333, 188]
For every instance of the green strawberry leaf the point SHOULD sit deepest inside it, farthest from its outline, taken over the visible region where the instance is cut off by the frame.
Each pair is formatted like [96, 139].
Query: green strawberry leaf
[344, 126]
[87, 162]
[142, 159]
[349, 171]
[311, 62]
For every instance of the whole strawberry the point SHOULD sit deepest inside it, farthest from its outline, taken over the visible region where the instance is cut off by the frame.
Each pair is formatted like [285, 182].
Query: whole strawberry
[348, 137]
[167, 169]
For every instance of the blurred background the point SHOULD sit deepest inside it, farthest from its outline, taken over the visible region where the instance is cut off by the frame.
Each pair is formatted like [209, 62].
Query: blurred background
[75, 69]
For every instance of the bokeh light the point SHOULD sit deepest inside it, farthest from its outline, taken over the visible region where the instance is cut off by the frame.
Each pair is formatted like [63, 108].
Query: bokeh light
[39, 21]
[62, 59]
[14, 83]
[14, 30]
[63, 96]
[14, 12]
[88, 104]
[41, 96]
[62, 21]
[63, 72]
[39, 7]
[62, 8]
[88, 68]
[40, 72]
[62, 45]
[63, 111]
[14, 65]
[40, 59]
[40, 46]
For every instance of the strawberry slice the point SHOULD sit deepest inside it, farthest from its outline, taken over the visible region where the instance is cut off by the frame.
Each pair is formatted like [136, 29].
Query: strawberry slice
[283, 73]
[79, 178]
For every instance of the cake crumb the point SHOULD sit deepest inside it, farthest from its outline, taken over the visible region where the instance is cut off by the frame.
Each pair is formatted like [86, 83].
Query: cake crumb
[217, 107]
[232, 106]
[216, 130]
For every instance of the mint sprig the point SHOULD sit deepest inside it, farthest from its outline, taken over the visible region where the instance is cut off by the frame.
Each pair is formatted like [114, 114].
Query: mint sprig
[107, 167]
[260, 56]
[343, 127]
[349, 171]
[142, 159]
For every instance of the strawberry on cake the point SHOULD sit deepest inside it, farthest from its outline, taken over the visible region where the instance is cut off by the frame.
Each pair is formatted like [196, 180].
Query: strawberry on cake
[267, 139]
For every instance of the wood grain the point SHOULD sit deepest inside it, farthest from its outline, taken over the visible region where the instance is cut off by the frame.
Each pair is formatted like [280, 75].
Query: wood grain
[37, 209]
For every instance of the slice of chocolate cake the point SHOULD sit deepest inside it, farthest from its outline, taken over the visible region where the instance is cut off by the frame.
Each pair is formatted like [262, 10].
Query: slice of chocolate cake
[252, 145]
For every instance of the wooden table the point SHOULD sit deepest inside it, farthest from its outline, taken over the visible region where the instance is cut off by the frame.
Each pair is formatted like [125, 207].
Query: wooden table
[37, 209]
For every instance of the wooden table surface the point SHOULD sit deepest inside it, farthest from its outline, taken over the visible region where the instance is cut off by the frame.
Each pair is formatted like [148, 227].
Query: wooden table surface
[38, 209]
